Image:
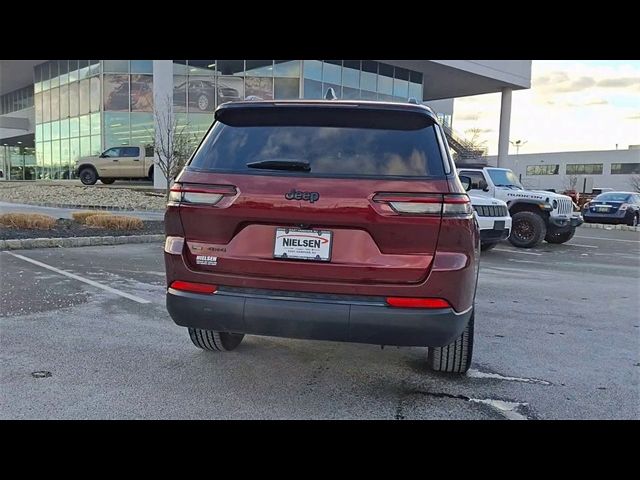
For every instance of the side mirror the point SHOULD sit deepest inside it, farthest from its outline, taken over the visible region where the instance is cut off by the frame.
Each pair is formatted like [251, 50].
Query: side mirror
[102, 155]
[483, 185]
[466, 182]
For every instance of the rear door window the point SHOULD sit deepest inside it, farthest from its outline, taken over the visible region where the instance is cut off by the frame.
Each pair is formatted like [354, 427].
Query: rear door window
[348, 149]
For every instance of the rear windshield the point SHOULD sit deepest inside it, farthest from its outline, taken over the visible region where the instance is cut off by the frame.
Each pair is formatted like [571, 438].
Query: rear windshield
[333, 151]
[614, 197]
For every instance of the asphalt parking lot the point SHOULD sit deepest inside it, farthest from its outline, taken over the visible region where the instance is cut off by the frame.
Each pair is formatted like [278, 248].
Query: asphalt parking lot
[557, 337]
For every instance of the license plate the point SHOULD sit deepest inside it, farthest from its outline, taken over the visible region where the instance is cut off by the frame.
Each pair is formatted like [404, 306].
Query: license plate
[602, 209]
[498, 225]
[296, 244]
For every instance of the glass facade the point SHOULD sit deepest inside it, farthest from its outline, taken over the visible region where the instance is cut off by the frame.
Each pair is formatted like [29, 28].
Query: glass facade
[16, 100]
[83, 107]
[67, 115]
[199, 86]
[18, 163]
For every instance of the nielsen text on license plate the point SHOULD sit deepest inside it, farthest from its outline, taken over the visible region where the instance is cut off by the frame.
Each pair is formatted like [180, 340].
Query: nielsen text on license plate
[296, 244]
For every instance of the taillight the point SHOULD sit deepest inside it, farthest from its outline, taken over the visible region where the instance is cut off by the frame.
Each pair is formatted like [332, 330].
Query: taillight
[199, 194]
[426, 204]
[407, 302]
[174, 245]
[193, 287]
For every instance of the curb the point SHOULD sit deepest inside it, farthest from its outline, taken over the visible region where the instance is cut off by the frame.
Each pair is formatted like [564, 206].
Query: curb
[90, 207]
[603, 226]
[29, 243]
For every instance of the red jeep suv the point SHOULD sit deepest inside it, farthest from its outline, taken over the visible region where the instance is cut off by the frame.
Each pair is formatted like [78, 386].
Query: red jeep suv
[326, 220]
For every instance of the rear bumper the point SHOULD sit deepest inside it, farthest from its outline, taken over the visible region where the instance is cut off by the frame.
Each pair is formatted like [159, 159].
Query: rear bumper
[613, 218]
[316, 317]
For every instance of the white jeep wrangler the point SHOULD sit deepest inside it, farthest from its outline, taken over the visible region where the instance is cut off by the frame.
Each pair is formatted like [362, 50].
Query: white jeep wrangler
[536, 215]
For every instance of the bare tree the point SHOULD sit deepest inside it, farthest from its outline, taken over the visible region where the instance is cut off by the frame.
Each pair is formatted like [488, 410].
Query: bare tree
[172, 143]
[474, 141]
[634, 181]
[571, 182]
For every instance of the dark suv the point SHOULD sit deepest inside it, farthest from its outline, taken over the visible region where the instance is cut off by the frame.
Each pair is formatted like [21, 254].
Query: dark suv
[326, 220]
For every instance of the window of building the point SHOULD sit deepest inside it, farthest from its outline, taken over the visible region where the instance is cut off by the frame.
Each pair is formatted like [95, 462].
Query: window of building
[64, 101]
[85, 99]
[584, 169]
[286, 88]
[141, 66]
[116, 92]
[286, 68]
[229, 67]
[141, 128]
[261, 88]
[543, 169]
[625, 168]
[259, 68]
[202, 67]
[95, 94]
[115, 66]
[73, 99]
[141, 93]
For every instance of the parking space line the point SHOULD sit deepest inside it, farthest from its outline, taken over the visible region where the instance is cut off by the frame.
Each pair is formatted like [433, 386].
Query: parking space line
[515, 251]
[80, 279]
[610, 239]
[583, 246]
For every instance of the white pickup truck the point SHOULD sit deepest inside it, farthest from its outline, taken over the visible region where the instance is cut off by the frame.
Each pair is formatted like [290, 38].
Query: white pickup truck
[536, 215]
[116, 163]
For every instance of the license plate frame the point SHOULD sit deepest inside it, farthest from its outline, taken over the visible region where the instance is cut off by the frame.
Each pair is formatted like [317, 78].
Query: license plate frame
[299, 251]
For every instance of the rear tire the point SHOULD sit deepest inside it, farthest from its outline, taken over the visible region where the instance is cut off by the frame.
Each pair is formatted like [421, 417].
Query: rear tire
[215, 341]
[560, 237]
[88, 176]
[528, 229]
[488, 246]
[151, 174]
[107, 181]
[635, 221]
[455, 357]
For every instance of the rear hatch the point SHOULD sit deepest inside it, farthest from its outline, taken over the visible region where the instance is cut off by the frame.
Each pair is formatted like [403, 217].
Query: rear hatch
[339, 193]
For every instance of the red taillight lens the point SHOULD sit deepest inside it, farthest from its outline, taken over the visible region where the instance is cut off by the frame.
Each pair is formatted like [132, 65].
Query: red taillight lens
[193, 287]
[405, 302]
[200, 194]
[426, 204]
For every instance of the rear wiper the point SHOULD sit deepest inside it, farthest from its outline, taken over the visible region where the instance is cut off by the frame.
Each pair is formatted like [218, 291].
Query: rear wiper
[298, 165]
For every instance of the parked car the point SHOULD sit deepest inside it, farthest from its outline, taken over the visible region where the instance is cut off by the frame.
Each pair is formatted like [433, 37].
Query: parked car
[201, 93]
[613, 207]
[494, 220]
[126, 162]
[325, 220]
[227, 94]
[536, 215]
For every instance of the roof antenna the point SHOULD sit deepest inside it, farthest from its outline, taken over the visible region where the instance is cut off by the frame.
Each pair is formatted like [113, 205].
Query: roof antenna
[413, 100]
[331, 94]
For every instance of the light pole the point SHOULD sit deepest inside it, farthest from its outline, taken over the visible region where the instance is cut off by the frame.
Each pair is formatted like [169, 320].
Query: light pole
[518, 144]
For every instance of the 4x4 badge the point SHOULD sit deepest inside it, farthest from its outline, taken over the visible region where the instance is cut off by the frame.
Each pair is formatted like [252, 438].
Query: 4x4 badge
[306, 196]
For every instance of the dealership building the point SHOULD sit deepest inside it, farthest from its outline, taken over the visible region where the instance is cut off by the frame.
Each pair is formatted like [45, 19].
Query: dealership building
[54, 111]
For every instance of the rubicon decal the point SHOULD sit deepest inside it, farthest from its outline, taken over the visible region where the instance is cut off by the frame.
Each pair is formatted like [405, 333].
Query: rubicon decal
[306, 196]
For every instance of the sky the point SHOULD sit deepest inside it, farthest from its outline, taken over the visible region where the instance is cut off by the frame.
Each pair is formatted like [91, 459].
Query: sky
[571, 106]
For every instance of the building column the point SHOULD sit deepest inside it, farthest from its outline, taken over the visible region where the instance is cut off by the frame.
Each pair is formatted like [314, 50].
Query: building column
[163, 105]
[505, 123]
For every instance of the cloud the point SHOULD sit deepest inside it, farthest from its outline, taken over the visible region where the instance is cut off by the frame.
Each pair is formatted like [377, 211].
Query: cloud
[635, 116]
[600, 101]
[467, 116]
[619, 82]
[561, 82]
